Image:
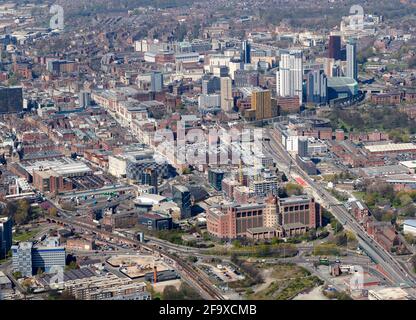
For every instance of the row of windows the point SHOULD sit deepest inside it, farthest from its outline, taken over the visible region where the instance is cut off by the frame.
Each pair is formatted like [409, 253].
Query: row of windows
[249, 214]
[296, 208]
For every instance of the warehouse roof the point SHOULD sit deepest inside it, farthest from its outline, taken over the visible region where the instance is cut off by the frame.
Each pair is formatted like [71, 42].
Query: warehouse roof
[391, 147]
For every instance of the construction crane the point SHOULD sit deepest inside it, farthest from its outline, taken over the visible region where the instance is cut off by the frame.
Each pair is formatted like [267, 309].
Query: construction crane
[240, 172]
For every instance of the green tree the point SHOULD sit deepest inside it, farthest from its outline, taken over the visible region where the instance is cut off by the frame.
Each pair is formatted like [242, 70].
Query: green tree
[171, 293]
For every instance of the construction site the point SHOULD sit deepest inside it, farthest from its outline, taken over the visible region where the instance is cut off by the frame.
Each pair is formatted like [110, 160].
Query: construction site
[148, 268]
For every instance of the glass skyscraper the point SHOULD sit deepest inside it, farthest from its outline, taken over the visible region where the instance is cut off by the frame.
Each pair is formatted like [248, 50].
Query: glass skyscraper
[352, 66]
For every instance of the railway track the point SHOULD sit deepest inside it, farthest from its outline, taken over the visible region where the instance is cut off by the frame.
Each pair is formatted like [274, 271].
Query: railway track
[198, 279]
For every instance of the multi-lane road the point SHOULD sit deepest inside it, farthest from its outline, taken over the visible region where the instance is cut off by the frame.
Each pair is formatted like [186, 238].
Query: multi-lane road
[395, 271]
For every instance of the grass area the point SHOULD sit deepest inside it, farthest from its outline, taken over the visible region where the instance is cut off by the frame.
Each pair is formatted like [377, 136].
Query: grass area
[289, 280]
[327, 249]
[297, 286]
[285, 271]
[359, 195]
[25, 236]
[263, 250]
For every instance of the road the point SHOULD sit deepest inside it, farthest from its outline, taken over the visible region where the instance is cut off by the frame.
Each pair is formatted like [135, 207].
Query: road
[395, 271]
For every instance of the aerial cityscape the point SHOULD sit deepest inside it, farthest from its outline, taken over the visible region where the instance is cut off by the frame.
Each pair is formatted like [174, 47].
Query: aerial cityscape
[208, 150]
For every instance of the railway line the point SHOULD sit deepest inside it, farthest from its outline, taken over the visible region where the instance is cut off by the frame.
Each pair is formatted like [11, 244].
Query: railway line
[198, 279]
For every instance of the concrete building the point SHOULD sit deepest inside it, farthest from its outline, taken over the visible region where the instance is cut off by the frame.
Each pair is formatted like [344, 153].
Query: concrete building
[352, 65]
[227, 101]
[210, 84]
[289, 78]
[246, 78]
[316, 87]
[22, 258]
[153, 221]
[209, 102]
[28, 259]
[232, 221]
[182, 197]
[265, 186]
[261, 103]
[156, 81]
[303, 147]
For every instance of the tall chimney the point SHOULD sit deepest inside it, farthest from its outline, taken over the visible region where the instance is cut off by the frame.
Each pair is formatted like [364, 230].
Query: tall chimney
[154, 274]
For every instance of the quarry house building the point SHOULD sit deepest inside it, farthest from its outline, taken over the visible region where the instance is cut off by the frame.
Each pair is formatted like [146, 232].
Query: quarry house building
[285, 217]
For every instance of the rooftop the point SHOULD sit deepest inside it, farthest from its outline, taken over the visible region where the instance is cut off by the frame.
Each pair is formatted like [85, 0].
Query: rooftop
[410, 222]
[391, 147]
[341, 81]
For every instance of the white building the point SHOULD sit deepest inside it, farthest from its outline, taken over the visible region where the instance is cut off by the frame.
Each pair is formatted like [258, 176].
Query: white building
[209, 101]
[227, 101]
[409, 227]
[189, 57]
[289, 78]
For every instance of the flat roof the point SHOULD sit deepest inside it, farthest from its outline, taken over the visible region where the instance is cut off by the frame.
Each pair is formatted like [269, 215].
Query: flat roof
[410, 222]
[391, 147]
[409, 164]
[389, 293]
[341, 81]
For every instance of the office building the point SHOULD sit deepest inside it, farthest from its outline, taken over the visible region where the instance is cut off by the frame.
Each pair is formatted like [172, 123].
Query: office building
[303, 147]
[265, 186]
[316, 87]
[289, 78]
[233, 66]
[28, 259]
[22, 258]
[231, 222]
[84, 99]
[209, 102]
[261, 103]
[289, 216]
[46, 258]
[150, 178]
[210, 84]
[246, 78]
[154, 221]
[334, 47]
[11, 99]
[215, 177]
[227, 101]
[5, 236]
[182, 197]
[133, 165]
[297, 214]
[352, 65]
[156, 81]
[61, 66]
[246, 52]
